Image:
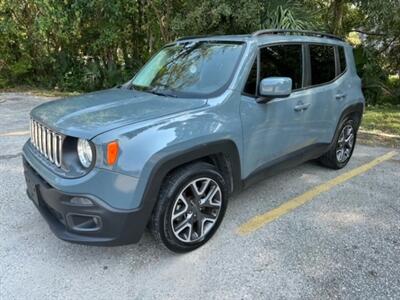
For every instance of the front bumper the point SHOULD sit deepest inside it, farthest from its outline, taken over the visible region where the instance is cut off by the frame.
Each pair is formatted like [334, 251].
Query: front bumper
[95, 224]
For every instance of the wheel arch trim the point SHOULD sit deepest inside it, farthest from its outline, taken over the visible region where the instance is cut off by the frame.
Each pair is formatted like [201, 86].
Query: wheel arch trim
[349, 110]
[170, 162]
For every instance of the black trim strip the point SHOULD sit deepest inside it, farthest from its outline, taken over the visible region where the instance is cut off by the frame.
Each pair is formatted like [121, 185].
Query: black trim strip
[285, 162]
[337, 65]
[307, 63]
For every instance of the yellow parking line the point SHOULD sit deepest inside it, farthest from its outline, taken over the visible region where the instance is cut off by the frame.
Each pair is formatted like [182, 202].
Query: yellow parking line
[259, 221]
[15, 133]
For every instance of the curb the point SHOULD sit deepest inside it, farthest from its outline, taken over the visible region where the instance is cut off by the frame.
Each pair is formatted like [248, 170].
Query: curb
[375, 138]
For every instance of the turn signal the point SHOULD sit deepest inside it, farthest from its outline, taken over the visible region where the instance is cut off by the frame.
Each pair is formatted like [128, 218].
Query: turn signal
[112, 153]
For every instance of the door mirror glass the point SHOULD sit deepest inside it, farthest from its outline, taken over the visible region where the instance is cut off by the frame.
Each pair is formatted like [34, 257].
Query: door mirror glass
[275, 87]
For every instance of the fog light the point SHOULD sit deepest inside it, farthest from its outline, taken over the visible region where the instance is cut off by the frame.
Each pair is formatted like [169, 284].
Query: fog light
[80, 222]
[81, 201]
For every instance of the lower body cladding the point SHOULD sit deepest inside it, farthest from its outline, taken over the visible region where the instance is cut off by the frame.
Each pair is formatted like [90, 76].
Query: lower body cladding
[83, 220]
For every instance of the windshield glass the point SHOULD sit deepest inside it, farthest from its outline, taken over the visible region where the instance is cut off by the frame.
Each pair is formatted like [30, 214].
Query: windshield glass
[189, 69]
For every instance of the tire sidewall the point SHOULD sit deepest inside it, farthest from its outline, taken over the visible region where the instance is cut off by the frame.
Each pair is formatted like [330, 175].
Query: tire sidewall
[172, 193]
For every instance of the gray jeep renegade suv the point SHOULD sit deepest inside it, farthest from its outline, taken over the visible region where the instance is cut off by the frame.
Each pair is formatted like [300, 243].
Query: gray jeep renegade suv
[204, 118]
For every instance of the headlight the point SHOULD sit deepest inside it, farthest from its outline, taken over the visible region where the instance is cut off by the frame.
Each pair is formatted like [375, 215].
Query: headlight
[85, 153]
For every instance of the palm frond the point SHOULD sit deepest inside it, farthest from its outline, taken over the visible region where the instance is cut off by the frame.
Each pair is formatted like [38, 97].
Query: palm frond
[289, 15]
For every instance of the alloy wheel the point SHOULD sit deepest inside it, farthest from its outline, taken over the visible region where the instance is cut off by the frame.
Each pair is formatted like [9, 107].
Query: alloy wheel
[345, 144]
[196, 210]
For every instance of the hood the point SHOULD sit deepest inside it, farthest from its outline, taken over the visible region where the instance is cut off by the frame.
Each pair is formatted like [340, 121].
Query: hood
[91, 114]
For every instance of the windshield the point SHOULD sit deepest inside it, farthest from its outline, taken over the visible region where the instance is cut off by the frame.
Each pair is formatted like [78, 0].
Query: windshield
[189, 69]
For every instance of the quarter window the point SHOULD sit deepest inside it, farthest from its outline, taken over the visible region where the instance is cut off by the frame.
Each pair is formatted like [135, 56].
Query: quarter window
[342, 60]
[251, 84]
[282, 61]
[322, 64]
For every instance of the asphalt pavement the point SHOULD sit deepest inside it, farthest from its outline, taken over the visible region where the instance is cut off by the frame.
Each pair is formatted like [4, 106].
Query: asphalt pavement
[344, 243]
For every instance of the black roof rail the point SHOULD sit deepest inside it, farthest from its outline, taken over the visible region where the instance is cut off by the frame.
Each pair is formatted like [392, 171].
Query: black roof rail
[294, 31]
[192, 37]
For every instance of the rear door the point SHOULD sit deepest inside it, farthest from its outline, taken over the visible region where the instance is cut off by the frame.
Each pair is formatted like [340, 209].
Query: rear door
[324, 92]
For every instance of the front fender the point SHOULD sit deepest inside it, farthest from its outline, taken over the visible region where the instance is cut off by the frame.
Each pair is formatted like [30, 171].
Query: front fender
[148, 151]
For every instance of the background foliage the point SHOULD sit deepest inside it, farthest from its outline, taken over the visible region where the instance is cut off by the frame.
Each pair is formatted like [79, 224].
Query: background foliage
[83, 45]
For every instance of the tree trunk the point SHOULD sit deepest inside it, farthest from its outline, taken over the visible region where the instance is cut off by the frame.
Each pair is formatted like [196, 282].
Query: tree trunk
[337, 9]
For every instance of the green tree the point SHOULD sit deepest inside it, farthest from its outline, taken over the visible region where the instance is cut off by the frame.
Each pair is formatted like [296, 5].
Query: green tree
[85, 45]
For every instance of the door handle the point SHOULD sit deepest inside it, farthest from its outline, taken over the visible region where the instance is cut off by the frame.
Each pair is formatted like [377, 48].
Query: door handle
[301, 107]
[340, 96]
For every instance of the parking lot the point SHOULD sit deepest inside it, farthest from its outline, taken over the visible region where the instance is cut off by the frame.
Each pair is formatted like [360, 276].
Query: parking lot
[342, 241]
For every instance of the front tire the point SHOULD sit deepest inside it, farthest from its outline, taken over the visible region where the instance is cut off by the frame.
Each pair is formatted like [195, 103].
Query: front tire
[340, 153]
[191, 205]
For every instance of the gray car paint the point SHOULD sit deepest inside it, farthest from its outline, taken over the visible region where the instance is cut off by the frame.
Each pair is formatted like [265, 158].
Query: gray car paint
[149, 128]
[88, 115]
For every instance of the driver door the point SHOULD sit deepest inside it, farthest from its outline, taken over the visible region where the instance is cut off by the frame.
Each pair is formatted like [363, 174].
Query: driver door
[273, 130]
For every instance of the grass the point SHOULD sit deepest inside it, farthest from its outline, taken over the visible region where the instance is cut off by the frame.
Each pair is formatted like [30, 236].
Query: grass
[382, 119]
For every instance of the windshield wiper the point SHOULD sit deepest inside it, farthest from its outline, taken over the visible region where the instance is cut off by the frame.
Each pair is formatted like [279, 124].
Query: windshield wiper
[161, 93]
[153, 90]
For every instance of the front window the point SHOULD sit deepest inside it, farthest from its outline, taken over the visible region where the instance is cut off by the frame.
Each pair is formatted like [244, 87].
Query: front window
[282, 61]
[190, 69]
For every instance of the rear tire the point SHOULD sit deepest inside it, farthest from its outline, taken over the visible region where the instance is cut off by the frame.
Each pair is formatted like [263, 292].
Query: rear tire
[191, 205]
[341, 151]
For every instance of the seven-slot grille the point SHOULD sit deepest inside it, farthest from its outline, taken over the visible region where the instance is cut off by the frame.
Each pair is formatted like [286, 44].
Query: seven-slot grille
[47, 142]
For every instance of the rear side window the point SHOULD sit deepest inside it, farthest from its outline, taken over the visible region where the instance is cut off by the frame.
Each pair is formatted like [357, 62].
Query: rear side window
[251, 84]
[342, 60]
[282, 61]
[322, 59]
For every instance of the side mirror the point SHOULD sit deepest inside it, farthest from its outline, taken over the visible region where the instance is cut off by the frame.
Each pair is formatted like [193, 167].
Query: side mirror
[274, 87]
